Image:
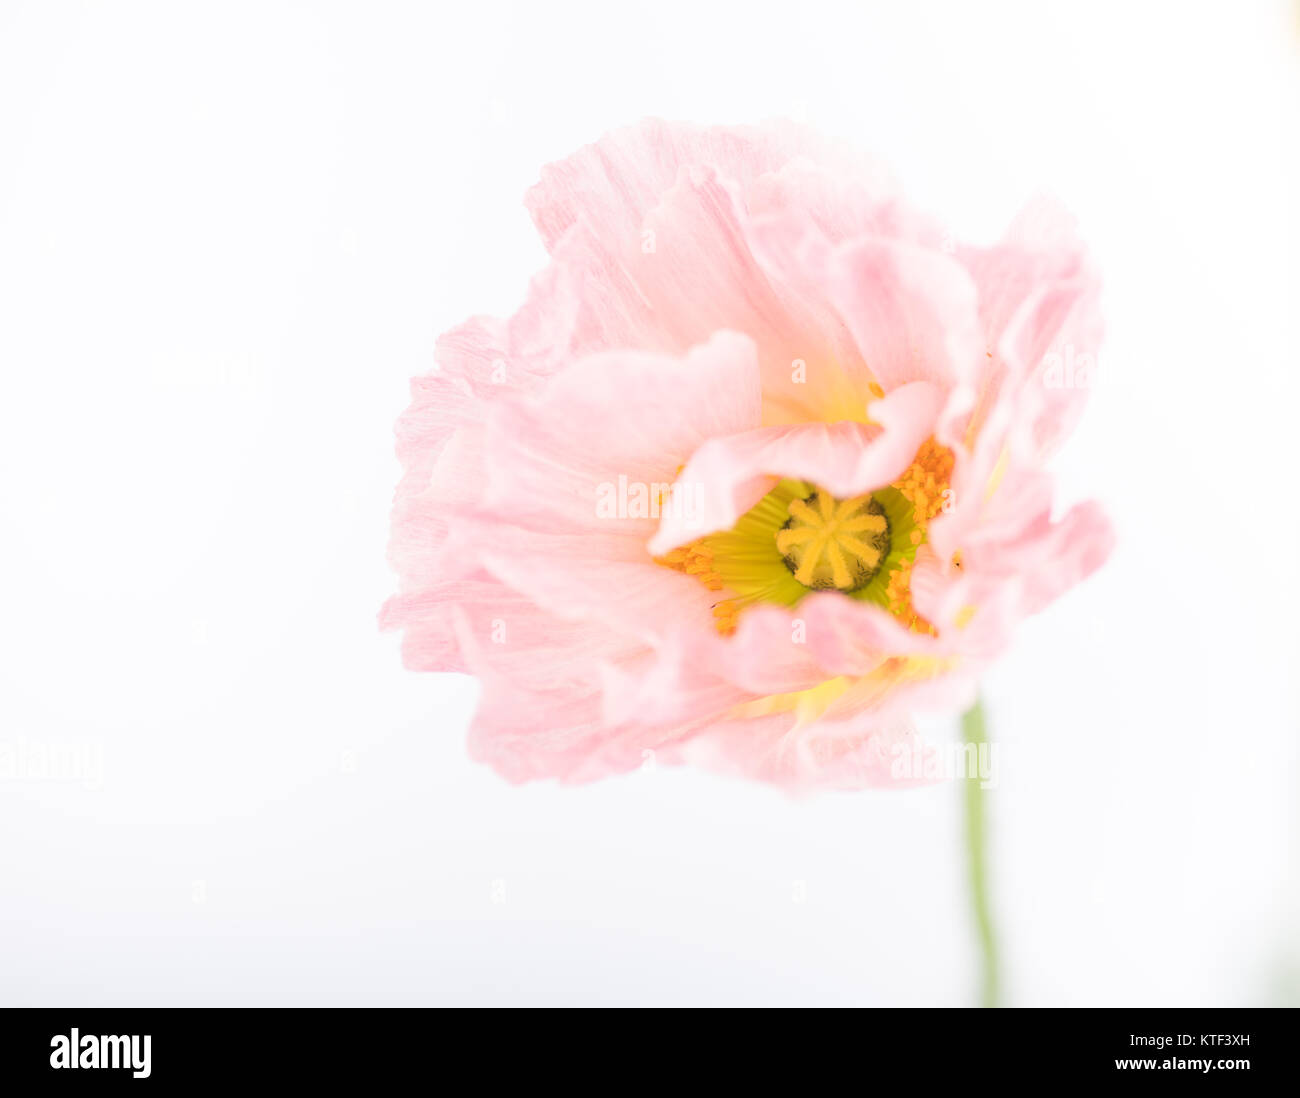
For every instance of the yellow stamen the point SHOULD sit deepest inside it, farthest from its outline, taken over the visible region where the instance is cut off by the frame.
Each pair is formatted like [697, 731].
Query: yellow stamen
[696, 559]
[925, 485]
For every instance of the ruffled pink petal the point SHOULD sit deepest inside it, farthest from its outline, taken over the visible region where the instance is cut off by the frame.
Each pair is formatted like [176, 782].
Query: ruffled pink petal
[440, 437]
[558, 458]
[702, 276]
[1050, 346]
[688, 273]
[529, 735]
[1016, 557]
[1040, 559]
[832, 379]
[1038, 298]
[655, 221]
[913, 311]
[774, 749]
[612, 184]
[666, 689]
[440, 410]
[518, 639]
[610, 580]
[564, 730]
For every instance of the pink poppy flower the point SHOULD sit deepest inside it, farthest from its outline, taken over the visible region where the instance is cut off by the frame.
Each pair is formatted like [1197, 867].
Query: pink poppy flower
[755, 473]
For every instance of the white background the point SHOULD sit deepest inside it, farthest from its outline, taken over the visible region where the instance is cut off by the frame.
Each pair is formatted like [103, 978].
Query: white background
[230, 232]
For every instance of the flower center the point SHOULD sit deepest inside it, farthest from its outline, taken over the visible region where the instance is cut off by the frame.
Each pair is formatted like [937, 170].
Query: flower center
[799, 539]
[834, 544]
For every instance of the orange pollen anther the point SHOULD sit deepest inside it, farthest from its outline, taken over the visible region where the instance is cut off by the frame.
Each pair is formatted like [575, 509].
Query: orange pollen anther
[925, 485]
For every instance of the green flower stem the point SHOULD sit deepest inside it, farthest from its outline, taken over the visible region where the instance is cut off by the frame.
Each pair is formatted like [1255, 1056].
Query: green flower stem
[973, 731]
